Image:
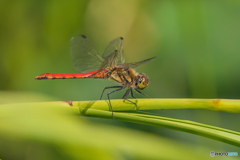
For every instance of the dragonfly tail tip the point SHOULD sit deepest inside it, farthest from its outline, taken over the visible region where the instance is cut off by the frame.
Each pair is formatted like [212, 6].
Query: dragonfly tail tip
[38, 78]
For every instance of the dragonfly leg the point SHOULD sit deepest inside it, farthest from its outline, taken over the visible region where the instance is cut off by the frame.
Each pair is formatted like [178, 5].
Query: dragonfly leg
[125, 97]
[142, 93]
[109, 88]
[122, 87]
[132, 93]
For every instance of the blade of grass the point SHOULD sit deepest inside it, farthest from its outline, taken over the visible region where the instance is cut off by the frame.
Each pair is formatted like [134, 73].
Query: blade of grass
[224, 105]
[56, 124]
[216, 133]
[101, 109]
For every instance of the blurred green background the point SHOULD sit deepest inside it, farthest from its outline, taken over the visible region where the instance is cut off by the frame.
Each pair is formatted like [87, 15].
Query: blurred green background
[197, 44]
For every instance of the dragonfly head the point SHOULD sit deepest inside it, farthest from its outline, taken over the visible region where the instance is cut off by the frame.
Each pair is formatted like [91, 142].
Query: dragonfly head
[142, 81]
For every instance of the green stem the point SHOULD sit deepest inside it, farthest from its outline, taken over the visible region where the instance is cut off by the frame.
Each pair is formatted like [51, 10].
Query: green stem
[220, 134]
[225, 105]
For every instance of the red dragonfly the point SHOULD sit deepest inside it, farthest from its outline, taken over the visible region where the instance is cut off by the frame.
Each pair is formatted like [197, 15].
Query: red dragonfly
[111, 65]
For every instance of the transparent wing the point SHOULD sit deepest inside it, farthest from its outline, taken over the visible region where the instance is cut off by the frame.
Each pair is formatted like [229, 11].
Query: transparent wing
[110, 60]
[135, 64]
[116, 44]
[85, 57]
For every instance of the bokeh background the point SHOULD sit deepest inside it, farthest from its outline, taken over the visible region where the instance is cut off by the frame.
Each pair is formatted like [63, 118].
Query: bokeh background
[197, 44]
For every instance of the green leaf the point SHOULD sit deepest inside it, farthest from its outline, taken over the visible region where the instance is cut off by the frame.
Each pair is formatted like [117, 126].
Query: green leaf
[57, 124]
[216, 133]
[224, 105]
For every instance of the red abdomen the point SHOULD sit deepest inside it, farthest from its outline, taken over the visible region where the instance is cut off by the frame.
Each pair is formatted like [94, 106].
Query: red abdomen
[65, 76]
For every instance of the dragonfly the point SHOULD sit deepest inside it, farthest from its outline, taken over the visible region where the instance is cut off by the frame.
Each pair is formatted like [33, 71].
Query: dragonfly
[111, 65]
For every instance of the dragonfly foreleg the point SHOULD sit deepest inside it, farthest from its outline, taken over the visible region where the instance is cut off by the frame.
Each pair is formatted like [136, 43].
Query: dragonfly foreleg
[125, 97]
[122, 87]
[109, 88]
[142, 93]
[126, 94]
[132, 93]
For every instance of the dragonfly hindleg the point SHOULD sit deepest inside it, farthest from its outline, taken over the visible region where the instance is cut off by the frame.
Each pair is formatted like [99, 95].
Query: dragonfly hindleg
[109, 88]
[122, 87]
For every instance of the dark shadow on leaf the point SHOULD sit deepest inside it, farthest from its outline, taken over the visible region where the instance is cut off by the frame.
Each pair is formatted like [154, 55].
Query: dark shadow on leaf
[83, 110]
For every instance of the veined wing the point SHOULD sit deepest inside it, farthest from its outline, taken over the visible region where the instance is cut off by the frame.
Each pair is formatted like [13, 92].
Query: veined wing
[135, 64]
[84, 55]
[115, 45]
[110, 60]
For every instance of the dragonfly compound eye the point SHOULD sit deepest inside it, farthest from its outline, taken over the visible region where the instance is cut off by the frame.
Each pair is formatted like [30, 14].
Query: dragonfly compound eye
[143, 82]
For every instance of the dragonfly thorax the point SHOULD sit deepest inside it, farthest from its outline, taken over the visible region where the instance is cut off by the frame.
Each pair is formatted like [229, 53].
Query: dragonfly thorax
[142, 81]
